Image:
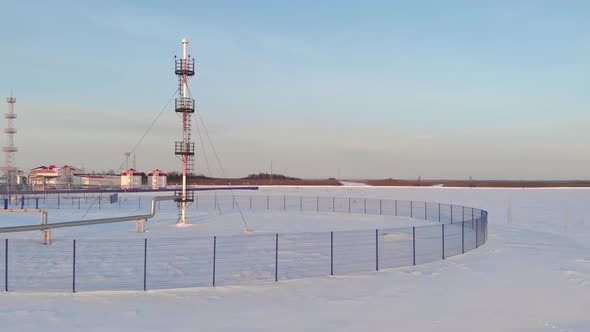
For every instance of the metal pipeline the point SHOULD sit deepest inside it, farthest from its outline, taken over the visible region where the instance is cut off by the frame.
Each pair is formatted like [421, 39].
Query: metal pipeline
[14, 229]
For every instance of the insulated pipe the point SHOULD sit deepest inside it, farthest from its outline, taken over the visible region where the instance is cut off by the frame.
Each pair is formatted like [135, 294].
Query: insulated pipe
[14, 229]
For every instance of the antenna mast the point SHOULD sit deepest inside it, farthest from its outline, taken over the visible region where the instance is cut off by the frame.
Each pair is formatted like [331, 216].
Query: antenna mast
[10, 170]
[127, 154]
[185, 149]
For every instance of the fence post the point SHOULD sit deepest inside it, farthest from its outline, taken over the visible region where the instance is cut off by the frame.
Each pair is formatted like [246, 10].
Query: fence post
[485, 223]
[276, 257]
[37, 203]
[250, 202]
[414, 244]
[380, 207]
[443, 241]
[463, 213]
[411, 209]
[6, 265]
[438, 212]
[472, 217]
[214, 252]
[425, 213]
[349, 205]
[233, 202]
[451, 206]
[145, 265]
[463, 237]
[267, 202]
[331, 253]
[6, 204]
[317, 204]
[139, 201]
[333, 204]
[74, 267]
[58, 201]
[476, 234]
[377, 250]
[365, 205]
[99, 200]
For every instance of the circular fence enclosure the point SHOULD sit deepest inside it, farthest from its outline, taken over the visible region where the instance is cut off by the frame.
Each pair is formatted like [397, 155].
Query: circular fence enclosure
[165, 263]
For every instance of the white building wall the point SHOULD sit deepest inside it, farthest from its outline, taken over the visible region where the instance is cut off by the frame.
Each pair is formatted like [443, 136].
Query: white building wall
[157, 179]
[100, 181]
[136, 181]
[153, 182]
[130, 179]
[162, 181]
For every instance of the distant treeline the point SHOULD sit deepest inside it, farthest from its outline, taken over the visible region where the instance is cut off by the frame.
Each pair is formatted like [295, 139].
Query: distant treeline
[260, 179]
[480, 183]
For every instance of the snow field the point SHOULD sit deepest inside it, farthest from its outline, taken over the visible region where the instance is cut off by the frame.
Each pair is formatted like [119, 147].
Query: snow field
[533, 274]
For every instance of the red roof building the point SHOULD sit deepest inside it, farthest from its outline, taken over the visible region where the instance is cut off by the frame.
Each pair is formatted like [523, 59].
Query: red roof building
[157, 179]
[130, 179]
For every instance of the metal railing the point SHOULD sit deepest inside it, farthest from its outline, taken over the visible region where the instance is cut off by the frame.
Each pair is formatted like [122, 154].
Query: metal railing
[163, 263]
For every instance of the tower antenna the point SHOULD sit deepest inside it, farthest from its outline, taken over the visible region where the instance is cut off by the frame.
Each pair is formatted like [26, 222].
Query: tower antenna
[184, 106]
[10, 170]
[127, 154]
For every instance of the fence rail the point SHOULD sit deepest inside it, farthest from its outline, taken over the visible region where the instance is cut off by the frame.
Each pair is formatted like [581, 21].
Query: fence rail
[163, 263]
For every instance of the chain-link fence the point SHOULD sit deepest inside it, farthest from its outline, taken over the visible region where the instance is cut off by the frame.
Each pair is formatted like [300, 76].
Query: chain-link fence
[162, 263]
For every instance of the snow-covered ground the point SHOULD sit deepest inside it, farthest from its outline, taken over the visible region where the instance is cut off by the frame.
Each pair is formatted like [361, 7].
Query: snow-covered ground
[533, 274]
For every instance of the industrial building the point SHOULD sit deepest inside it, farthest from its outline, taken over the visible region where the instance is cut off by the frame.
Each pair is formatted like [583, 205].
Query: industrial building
[131, 179]
[157, 179]
[52, 177]
[68, 177]
[90, 181]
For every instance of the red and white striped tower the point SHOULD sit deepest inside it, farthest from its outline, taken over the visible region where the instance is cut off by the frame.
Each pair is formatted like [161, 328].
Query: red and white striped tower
[10, 169]
[184, 106]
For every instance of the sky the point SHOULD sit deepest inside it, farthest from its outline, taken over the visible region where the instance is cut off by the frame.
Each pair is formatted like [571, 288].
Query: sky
[349, 89]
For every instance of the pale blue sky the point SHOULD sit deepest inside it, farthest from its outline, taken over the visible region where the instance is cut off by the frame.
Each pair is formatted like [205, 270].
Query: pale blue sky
[438, 89]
